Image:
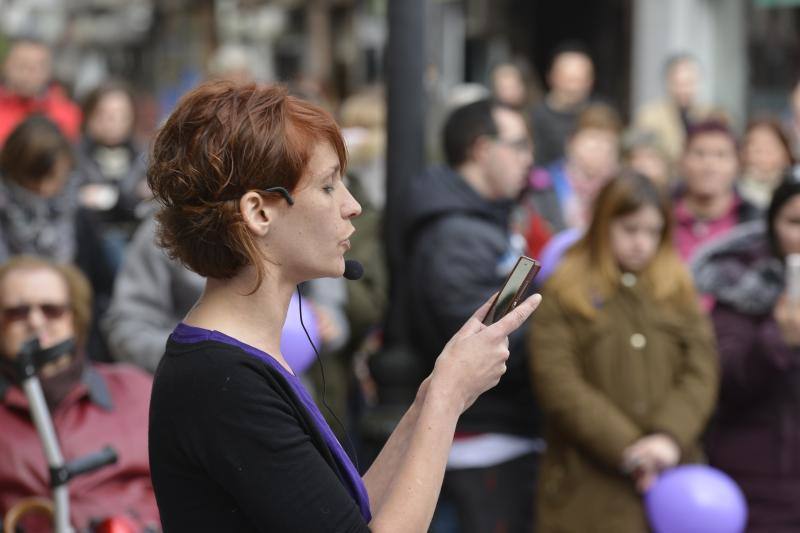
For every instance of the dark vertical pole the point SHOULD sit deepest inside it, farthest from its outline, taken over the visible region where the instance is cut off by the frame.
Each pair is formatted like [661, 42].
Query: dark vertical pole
[405, 158]
[394, 367]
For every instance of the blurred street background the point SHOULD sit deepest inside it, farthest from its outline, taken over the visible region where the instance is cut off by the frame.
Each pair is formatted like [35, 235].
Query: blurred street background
[569, 99]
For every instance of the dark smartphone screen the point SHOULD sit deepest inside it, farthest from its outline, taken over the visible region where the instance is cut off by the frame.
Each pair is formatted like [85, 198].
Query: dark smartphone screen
[513, 289]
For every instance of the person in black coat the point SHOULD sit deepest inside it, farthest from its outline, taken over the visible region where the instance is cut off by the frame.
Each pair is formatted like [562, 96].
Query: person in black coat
[460, 250]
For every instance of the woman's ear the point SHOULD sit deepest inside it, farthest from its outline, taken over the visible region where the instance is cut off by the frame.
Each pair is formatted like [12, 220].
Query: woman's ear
[256, 212]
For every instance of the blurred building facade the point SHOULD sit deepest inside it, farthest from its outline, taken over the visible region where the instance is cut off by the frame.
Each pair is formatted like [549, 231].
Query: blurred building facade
[748, 48]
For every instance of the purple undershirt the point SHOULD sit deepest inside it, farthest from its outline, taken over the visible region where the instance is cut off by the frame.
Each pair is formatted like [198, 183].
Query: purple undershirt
[186, 334]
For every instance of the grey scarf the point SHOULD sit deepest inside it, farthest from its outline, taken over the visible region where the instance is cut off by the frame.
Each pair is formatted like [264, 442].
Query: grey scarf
[740, 271]
[32, 224]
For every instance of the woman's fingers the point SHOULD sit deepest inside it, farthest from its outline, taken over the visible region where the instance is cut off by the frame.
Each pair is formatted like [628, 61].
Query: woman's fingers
[513, 320]
[631, 461]
[475, 322]
[517, 316]
[476, 360]
[645, 480]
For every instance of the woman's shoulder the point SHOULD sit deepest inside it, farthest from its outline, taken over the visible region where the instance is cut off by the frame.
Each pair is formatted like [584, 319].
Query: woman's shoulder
[208, 383]
[740, 270]
[209, 365]
[743, 244]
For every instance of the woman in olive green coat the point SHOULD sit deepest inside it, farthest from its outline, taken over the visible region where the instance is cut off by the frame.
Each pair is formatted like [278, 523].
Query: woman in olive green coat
[623, 364]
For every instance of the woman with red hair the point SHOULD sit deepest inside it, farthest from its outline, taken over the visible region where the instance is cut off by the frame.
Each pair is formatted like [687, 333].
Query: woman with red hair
[250, 182]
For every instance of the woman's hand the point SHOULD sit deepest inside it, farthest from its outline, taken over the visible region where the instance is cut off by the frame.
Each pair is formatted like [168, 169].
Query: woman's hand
[787, 315]
[422, 391]
[648, 456]
[99, 196]
[474, 359]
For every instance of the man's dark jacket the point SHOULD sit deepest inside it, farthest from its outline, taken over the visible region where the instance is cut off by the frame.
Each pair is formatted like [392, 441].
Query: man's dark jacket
[459, 253]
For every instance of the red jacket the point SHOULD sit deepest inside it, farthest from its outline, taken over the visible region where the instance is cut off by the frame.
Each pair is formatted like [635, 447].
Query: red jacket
[109, 406]
[54, 104]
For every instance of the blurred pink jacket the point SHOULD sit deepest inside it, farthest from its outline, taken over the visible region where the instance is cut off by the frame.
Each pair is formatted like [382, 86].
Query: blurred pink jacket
[110, 406]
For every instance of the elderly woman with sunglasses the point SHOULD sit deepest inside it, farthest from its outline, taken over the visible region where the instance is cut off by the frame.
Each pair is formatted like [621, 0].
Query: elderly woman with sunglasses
[91, 404]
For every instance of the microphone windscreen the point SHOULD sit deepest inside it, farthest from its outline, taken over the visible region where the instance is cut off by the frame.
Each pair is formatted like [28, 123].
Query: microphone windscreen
[353, 270]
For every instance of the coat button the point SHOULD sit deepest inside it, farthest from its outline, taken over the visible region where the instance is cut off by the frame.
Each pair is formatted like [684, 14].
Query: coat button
[638, 341]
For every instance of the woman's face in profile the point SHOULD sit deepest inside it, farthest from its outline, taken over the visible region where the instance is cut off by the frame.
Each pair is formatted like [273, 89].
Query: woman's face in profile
[787, 226]
[635, 238]
[312, 236]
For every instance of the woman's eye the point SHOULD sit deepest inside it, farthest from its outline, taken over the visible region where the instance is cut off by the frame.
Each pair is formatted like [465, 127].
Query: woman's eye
[328, 188]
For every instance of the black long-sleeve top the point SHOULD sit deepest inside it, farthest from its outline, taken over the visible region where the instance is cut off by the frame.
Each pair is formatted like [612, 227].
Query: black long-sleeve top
[236, 446]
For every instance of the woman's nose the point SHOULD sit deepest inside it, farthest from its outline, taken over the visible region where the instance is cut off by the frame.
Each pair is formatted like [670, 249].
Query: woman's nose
[351, 207]
[36, 319]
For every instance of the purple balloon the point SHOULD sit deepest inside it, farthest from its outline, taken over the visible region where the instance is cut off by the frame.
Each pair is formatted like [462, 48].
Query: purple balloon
[696, 499]
[554, 250]
[294, 343]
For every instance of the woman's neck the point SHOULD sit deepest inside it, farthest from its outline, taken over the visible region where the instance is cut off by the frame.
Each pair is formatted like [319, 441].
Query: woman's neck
[710, 207]
[255, 319]
[767, 177]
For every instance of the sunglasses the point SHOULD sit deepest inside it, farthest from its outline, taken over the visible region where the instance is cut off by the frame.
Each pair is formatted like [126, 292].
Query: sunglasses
[522, 144]
[17, 313]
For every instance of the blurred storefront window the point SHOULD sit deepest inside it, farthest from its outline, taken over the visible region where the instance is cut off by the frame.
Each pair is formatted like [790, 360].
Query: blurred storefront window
[774, 53]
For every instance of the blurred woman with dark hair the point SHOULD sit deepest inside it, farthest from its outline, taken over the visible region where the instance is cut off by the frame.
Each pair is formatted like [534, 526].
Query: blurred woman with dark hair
[756, 434]
[563, 192]
[39, 211]
[250, 183]
[623, 364]
[766, 154]
[111, 164]
[39, 201]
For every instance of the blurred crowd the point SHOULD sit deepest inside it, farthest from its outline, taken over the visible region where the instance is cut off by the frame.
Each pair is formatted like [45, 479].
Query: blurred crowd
[667, 334]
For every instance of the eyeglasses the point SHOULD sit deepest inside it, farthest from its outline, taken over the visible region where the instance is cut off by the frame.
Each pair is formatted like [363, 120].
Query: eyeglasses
[50, 311]
[522, 144]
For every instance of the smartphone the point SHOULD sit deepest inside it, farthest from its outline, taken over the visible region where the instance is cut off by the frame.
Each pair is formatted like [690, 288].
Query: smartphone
[513, 289]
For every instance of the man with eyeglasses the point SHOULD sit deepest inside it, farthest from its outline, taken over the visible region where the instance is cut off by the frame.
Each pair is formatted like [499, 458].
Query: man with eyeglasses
[92, 405]
[460, 250]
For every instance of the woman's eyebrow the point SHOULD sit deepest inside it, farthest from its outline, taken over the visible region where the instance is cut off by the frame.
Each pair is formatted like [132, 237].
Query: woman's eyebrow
[332, 171]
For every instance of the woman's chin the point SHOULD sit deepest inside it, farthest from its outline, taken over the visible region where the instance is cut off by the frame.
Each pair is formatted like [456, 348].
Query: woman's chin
[333, 271]
[634, 265]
